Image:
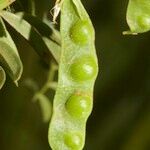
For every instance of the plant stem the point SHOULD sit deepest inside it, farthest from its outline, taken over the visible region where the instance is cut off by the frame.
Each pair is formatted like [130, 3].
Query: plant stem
[49, 83]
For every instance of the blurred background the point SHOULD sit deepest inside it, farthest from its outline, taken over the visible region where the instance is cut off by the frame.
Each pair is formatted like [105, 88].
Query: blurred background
[121, 114]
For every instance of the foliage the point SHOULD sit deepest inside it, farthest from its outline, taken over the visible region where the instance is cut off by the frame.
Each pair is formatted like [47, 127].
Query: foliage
[72, 50]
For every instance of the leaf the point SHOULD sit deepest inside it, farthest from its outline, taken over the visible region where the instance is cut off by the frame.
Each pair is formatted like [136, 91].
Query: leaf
[4, 35]
[138, 16]
[2, 77]
[45, 105]
[44, 29]
[55, 48]
[30, 34]
[31, 84]
[9, 57]
[5, 3]
[10, 61]
[49, 35]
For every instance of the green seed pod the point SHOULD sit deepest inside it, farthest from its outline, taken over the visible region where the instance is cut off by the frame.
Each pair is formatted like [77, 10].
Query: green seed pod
[138, 16]
[73, 141]
[77, 72]
[79, 106]
[83, 69]
[81, 32]
[144, 22]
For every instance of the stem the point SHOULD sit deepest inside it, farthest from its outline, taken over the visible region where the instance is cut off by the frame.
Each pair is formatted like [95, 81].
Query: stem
[47, 86]
[32, 7]
[51, 74]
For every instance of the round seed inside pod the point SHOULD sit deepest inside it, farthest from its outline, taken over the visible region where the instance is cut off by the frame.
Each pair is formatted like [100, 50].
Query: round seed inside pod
[83, 69]
[79, 106]
[81, 32]
[144, 22]
[73, 141]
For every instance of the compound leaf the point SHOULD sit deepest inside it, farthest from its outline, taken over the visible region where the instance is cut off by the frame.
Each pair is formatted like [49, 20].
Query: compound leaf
[31, 34]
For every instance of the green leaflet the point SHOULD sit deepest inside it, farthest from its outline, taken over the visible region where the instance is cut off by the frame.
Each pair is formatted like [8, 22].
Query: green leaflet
[9, 57]
[32, 35]
[4, 35]
[138, 16]
[77, 73]
[49, 35]
[5, 3]
[10, 61]
[45, 30]
[2, 77]
[46, 107]
[55, 48]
